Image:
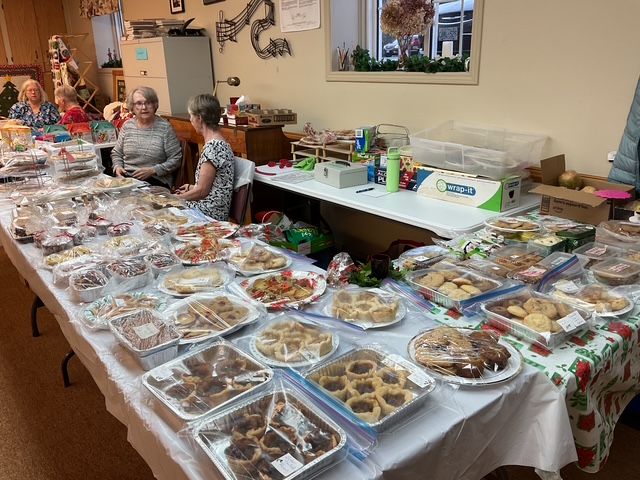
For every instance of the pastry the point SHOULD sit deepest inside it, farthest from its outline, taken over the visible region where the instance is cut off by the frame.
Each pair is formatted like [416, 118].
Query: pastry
[392, 377]
[364, 386]
[360, 369]
[365, 306]
[517, 311]
[291, 341]
[242, 454]
[432, 280]
[365, 407]
[336, 386]
[391, 398]
[279, 440]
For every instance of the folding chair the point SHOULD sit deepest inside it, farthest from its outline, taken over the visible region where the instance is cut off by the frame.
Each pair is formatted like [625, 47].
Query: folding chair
[242, 184]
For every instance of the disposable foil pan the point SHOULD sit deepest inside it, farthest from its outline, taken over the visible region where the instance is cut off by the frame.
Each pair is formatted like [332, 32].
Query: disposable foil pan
[214, 435]
[417, 381]
[161, 379]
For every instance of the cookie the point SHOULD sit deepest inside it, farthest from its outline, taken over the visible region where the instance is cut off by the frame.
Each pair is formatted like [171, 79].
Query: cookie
[432, 280]
[563, 309]
[517, 311]
[471, 289]
[459, 294]
[461, 281]
[538, 322]
[618, 304]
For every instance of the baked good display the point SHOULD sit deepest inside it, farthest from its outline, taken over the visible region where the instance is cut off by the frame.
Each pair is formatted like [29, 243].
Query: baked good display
[598, 298]
[87, 285]
[194, 280]
[59, 258]
[97, 315]
[248, 441]
[511, 224]
[119, 229]
[516, 258]
[215, 229]
[166, 216]
[112, 183]
[196, 384]
[55, 244]
[463, 356]
[625, 231]
[373, 384]
[123, 245]
[198, 253]
[287, 288]
[157, 229]
[135, 272]
[534, 316]
[448, 284]
[203, 316]
[252, 258]
[100, 224]
[366, 307]
[419, 258]
[291, 342]
[162, 261]
[616, 271]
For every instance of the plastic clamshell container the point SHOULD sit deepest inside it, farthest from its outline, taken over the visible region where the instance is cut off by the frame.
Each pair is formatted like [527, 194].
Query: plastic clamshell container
[616, 271]
[497, 314]
[387, 369]
[480, 150]
[225, 364]
[597, 251]
[435, 293]
[162, 262]
[421, 257]
[618, 231]
[82, 294]
[216, 433]
[157, 354]
[515, 258]
[134, 273]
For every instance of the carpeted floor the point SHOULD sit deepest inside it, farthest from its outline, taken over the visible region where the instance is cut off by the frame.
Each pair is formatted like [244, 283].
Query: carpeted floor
[50, 432]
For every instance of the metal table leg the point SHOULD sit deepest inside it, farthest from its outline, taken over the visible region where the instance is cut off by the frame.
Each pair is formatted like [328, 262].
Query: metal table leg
[65, 369]
[37, 303]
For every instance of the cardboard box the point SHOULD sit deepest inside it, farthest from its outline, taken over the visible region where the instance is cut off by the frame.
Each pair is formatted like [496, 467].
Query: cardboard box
[471, 190]
[572, 204]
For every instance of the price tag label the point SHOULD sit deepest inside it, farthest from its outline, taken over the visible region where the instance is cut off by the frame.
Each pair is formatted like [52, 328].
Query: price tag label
[571, 322]
[145, 331]
[416, 375]
[597, 251]
[119, 302]
[619, 267]
[162, 373]
[421, 258]
[566, 286]
[286, 465]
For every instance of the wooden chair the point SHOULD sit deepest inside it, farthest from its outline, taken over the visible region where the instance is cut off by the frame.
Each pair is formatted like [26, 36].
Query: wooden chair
[243, 182]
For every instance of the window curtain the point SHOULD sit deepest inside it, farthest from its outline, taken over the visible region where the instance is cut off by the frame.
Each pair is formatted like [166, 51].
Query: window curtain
[93, 8]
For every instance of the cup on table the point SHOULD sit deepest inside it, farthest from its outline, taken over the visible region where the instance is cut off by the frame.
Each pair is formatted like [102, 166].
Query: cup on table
[380, 265]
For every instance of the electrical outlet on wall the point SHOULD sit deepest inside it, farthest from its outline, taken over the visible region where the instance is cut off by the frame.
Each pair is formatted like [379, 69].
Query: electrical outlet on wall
[611, 156]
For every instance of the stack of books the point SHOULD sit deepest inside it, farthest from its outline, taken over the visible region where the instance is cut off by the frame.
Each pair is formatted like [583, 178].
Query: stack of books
[139, 29]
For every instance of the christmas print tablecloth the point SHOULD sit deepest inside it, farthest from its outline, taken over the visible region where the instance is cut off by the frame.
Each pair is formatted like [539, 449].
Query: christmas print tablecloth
[599, 371]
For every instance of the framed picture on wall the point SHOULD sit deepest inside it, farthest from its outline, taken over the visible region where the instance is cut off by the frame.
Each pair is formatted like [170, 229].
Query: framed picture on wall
[11, 79]
[119, 87]
[177, 6]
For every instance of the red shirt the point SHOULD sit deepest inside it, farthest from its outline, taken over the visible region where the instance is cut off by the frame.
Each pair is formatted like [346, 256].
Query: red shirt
[74, 115]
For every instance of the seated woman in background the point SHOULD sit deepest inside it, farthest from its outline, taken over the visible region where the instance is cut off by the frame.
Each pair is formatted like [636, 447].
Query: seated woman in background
[33, 108]
[215, 171]
[147, 147]
[67, 100]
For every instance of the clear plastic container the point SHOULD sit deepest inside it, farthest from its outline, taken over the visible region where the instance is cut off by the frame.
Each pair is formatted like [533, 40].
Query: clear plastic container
[479, 150]
[618, 233]
[596, 252]
[87, 285]
[537, 318]
[145, 334]
[132, 272]
[451, 286]
[616, 271]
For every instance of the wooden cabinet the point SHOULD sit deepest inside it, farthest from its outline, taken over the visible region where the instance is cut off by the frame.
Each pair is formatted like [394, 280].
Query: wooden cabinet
[30, 23]
[177, 68]
[259, 144]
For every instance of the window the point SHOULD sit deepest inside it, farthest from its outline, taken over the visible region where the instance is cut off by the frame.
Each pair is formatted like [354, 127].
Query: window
[456, 30]
[107, 30]
[452, 17]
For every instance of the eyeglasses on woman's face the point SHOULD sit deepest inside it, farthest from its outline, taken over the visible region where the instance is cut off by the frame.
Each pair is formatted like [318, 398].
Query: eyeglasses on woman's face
[142, 104]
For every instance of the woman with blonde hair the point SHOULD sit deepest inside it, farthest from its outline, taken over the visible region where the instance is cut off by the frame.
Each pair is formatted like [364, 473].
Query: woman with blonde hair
[33, 108]
[67, 100]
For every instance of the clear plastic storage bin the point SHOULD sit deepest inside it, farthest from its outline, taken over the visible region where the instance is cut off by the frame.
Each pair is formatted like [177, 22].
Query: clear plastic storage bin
[480, 150]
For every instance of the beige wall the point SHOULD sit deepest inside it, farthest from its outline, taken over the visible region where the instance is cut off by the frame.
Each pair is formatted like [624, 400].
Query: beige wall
[77, 25]
[567, 69]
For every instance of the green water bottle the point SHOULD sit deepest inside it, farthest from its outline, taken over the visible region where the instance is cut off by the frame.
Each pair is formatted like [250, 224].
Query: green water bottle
[393, 169]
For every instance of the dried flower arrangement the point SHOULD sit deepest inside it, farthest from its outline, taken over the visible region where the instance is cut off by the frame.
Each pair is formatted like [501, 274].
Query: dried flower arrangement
[404, 18]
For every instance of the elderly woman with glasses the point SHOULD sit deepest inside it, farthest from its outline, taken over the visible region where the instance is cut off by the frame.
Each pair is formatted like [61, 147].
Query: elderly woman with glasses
[147, 147]
[33, 108]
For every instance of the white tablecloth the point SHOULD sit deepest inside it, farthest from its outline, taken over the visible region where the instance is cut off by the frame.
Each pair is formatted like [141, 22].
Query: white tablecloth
[461, 432]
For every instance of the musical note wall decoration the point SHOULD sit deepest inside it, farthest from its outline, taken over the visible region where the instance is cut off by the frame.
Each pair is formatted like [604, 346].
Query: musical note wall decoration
[229, 29]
